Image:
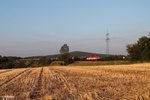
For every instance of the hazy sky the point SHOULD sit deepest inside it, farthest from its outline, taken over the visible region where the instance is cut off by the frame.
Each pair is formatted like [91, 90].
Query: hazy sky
[41, 27]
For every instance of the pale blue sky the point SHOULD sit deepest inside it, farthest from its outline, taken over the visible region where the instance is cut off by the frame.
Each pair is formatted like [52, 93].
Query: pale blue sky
[40, 27]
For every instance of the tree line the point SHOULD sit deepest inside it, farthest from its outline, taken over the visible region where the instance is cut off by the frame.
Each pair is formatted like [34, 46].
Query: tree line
[139, 50]
[17, 62]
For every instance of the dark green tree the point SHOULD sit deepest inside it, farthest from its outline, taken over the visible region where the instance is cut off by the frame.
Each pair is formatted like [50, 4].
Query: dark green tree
[64, 54]
[140, 50]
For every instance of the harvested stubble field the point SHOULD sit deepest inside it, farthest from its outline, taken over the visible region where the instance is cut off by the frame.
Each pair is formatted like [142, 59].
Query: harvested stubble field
[113, 82]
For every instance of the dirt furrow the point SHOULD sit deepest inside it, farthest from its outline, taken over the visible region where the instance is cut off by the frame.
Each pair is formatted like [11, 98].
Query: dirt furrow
[21, 86]
[13, 78]
[5, 71]
[67, 90]
[63, 79]
[38, 92]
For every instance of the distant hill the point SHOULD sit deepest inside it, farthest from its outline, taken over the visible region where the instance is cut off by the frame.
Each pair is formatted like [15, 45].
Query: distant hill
[73, 53]
[78, 54]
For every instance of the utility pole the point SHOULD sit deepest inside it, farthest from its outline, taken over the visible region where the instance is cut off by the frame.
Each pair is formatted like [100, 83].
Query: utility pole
[107, 43]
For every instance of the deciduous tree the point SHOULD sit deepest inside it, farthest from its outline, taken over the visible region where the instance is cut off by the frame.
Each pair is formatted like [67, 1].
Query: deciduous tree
[140, 50]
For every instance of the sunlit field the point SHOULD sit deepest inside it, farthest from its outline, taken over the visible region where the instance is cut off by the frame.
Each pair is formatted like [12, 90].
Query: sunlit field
[112, 82]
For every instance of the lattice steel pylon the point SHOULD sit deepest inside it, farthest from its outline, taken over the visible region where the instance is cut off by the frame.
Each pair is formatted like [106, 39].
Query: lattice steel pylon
[107, 42]
[149, 34]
